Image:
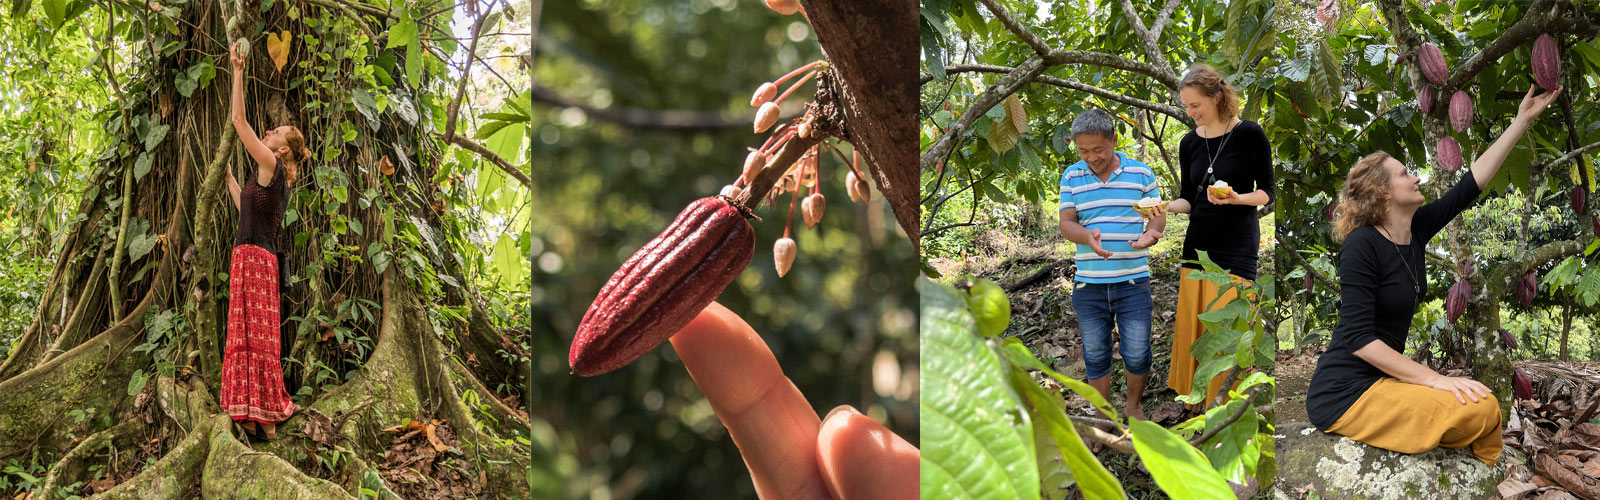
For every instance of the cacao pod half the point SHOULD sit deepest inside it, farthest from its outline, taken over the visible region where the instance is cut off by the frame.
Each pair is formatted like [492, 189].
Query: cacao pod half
[663, 286]
[1520, 385]
[1461, 111]
[1546, 62]
[1425, 99]
[1510, 340]
[1528, 288]
[1431, 61]
[1449, 154]
[1455, 301]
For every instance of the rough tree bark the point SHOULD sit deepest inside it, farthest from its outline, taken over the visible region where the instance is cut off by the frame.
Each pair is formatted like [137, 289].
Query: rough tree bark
[77, 355]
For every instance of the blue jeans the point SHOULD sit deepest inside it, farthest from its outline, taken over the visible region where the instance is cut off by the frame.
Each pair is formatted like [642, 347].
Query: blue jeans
[1125, 305]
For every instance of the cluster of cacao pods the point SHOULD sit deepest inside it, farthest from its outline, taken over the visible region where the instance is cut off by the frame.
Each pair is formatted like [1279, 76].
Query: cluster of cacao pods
[1528, 288]
[1455, 300]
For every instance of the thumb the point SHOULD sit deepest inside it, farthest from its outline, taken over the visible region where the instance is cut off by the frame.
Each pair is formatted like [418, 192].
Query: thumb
[861, 459]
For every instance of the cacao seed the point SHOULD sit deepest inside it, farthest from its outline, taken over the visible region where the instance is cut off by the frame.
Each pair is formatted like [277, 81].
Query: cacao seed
[1431, 61]
[1546, 62]
[1461, 111]
[1449, 154]
[1455, 302]
[663, 286]
[1520, 385]
[1510, 340]
[1425, 99]
[783, 255]
[1528, 288]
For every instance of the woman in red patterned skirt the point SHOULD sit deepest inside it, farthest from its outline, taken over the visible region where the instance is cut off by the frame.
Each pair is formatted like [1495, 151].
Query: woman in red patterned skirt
[252, 376]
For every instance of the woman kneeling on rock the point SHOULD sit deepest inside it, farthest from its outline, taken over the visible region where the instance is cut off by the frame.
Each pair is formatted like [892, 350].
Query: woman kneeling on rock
[1364, 388]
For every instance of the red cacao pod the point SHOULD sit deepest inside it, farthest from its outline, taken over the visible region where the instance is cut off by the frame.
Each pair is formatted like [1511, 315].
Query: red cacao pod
[1449, 154]
[1596, 222]
[1425, 99]
[1528, 288]
[1460, 111]
[663, 286]
[1580, 198]
[1455, 301]
[1431, 61]
[1310, 283]
[1332, 210]
[1509, 339]
[1546, 62]
[1520, 385]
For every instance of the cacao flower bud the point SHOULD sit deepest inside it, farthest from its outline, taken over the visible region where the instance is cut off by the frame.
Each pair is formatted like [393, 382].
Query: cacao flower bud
[1449, 154]
[1546, 62]
[861, 192]
[1431, 61]
[1510, 340]
[785, 7]
[811, 209]
[764, 93]
[1455, 302]
[1461, 111]
[663, 286]
[805, 129]
[1579, 199]
[752, 166]
[1528, 288]
[1425, 98]
[731, 191]
[766, 116]
[1520, 385]
[783, 255]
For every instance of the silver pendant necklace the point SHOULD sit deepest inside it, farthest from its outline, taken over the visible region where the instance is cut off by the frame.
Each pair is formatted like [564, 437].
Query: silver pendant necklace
[1416, 283]
[1212, 158]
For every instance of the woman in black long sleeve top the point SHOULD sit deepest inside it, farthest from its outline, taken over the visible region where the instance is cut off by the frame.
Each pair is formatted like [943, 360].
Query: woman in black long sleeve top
[1364, 388]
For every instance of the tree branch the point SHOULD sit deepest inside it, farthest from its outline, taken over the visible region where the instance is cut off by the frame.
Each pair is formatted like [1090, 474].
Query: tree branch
[1165, 109]
[1007, 85]
[461, 85]
[1248, 395]
[469, 145]
[664, 119]
[1301, 259]
[1011, 24]
[1570, 156]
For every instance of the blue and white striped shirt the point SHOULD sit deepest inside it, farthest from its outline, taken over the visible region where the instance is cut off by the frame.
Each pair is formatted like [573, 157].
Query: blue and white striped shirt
[1108, 206]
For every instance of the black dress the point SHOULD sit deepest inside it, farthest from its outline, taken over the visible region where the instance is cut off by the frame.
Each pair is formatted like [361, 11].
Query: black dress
[1229, 234]
[1377, 301]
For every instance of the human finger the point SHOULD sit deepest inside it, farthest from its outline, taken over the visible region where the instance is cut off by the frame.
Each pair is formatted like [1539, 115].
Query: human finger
[861, 459]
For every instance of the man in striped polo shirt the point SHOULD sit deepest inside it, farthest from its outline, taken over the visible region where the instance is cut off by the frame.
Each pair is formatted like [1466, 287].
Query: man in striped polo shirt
[1112, 285]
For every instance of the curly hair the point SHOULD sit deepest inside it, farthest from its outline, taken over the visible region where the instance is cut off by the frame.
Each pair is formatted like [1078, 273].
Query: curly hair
[1362, 200]
[1210, 84]
[298, 152]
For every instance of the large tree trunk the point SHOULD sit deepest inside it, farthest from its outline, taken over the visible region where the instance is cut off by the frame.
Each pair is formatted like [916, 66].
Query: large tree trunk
[422, 367]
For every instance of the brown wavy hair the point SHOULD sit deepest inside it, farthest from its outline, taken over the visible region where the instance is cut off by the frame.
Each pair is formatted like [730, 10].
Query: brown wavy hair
[1210, 84]
[297, 152]
[1362, 200]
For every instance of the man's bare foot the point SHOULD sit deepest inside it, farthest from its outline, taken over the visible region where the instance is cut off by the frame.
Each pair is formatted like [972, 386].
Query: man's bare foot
[1134, 413]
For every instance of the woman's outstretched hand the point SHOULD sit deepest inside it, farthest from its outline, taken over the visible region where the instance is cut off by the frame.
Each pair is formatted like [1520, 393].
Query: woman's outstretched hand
[791, 453]
[1533, 105]
[233, 55]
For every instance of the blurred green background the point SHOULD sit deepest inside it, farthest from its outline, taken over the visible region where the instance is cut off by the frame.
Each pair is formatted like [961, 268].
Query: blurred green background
[640, 108]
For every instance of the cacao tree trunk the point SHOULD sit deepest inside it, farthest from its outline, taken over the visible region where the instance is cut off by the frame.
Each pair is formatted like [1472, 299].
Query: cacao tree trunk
[1566, 326]
[355, 240]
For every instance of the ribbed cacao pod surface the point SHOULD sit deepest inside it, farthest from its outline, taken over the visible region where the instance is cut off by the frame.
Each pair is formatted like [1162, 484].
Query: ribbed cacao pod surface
[1579, 199]
[1520, 385]
[1431, 61]
[1455, 301]
[663, 286]
[1546, 62]
[1528, 288]
[1460, 111]
[1425, 99]
[1310, 283]
[1509, 339]
[1449, 154]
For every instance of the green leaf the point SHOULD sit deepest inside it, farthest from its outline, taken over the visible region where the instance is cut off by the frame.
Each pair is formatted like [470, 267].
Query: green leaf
[403, 32]
[1589, 288]
[1231, 451]
[141, 166]
[508, 259]
[154, 136]
[56, 10]
[1018, 354]
[137, 381]
[1049, 414]
[976, 443]
[366, 105]
[507, 143]
[1178, 468]
[414, 56]
[990, 307]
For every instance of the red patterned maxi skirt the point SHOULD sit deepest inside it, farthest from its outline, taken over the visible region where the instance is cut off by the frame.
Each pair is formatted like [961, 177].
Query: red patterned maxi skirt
[252, 375]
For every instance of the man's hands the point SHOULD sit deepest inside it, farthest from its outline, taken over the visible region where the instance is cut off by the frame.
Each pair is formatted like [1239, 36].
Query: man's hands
[1147, 239]
[1094, 244]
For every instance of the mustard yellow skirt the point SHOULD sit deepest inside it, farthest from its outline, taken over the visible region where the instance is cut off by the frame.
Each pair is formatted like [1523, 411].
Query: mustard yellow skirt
[1410, 418]
[1193, 297]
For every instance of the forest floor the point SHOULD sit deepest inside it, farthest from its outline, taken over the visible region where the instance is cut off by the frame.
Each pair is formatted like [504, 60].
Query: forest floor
[1036, 270]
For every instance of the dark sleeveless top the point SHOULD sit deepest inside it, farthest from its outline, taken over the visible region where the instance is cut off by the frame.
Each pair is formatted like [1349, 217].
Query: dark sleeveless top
[261, 210]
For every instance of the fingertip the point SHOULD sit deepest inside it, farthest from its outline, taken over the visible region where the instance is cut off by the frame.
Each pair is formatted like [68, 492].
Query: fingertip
[861, 458]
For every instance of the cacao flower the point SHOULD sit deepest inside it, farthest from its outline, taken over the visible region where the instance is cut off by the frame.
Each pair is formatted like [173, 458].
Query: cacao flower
[1546, 62]
[663, 286]
[1528, 288]
[1455, 302]
[764, 93]
[1520, 385]
[766, 116]
[731, 191]
[783, 255]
